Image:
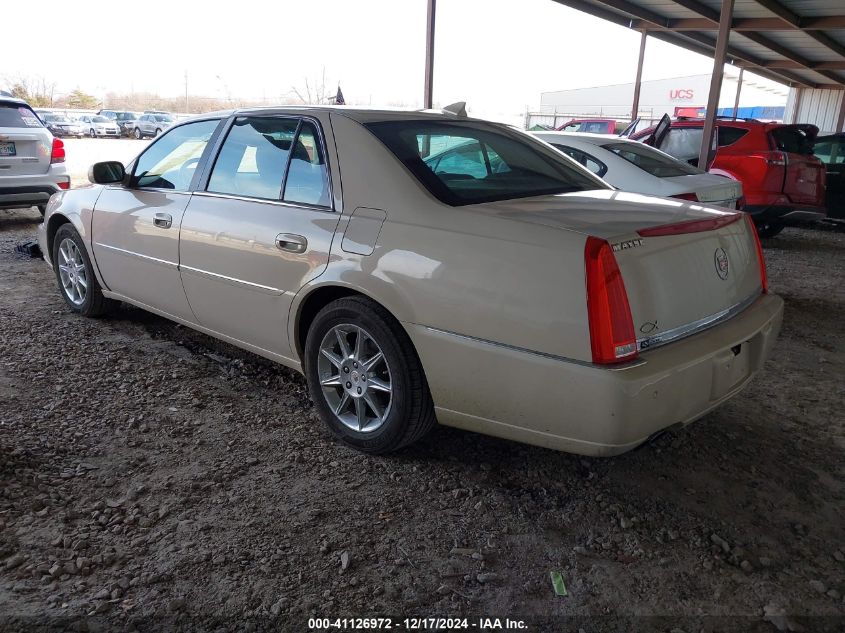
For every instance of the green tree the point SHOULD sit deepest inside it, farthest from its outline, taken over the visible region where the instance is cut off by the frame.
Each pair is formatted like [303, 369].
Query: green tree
[81, 100]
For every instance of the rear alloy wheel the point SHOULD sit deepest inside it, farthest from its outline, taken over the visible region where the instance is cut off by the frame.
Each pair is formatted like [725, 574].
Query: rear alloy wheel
[138, 133]
[78, 285]
[769, 229]
[365, 378]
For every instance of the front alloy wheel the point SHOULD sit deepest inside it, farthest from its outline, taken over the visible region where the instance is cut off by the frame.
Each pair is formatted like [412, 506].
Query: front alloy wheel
[355, 378]
[72, 273]
[79, 287]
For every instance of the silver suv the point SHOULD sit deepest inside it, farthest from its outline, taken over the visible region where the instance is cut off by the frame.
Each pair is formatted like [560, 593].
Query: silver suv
[152, 124]
[32, 162]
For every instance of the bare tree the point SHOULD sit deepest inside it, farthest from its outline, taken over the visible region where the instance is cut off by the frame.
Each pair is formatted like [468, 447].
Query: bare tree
[35, 90]
[315, 91]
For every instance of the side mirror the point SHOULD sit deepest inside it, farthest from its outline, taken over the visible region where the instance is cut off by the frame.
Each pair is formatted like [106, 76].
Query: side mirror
[107, 172]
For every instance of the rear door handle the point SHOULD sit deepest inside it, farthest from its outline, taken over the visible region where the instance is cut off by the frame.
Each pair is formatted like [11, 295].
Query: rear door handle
[163, 220]
[291, 243]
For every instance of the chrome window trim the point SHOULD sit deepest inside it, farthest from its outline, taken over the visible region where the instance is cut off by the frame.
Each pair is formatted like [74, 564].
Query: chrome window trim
[653, 342]
[123, 251]
[279, 203]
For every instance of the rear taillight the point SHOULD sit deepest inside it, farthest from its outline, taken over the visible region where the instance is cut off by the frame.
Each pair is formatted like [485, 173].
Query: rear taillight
[761, 261]
[58, 153]
[64, 184]
[691, 226]
[612, 336]
[686, 196]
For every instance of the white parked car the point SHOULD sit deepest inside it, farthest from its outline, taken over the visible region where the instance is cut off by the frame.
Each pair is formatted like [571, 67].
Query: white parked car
[508, 291]
[632, 166]
[99, 125]
[32, 161]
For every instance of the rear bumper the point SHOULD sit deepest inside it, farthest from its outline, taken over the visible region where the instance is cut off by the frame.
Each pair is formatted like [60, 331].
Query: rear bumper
[788, 214]
[33, 190]
[582, 408]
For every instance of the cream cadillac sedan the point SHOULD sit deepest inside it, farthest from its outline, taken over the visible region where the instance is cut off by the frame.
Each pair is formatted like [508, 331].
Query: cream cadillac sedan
[499, 287]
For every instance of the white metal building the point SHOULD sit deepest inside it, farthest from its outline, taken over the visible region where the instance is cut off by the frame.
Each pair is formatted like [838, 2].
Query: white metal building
[672, 96]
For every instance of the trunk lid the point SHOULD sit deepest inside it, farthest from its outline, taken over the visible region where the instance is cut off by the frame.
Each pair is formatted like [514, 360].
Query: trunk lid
[708, 188]
[677, 283]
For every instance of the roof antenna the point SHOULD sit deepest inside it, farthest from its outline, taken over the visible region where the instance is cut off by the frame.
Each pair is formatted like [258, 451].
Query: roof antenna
[459, 108]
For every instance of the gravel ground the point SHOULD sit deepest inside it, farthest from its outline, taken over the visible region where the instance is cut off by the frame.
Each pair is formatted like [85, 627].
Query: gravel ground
[152, 478]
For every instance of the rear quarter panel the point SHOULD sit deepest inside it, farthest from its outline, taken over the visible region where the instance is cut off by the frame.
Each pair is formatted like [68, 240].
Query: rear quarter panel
[463, 270]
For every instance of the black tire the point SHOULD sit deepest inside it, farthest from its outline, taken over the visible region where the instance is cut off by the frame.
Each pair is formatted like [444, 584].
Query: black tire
[138, 134]
[95, 304]
[42, 209]
[411, 413]
[158, 132]
[93, 133]
[768, 229]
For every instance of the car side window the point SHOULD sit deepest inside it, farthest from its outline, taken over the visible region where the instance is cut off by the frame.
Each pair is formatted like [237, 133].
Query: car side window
[683, 143]
[254, 157]
[596, 127]
[169, 163]
[307, 180]
[729, 135]
[588, 161]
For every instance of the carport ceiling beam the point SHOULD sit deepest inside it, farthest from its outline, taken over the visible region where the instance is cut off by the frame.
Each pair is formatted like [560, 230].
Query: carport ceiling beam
[748, 24]
[722, 39]
[696, 42]
[795, 21]
[784, 14]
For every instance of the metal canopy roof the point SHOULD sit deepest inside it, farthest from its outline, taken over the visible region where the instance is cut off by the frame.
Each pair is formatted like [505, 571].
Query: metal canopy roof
[797, 42]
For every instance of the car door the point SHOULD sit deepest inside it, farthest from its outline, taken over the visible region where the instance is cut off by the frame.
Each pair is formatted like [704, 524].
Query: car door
[261, 229]
[831, 151]
[135, 230]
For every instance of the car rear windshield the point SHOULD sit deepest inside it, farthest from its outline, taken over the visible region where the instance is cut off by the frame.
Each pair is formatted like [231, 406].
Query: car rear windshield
[651, 160]
[16, 115]
[792, 139]
[474, 162]
[100, 119]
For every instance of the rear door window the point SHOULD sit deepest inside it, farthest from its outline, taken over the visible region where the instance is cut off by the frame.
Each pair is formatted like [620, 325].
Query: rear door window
[587, 160]
[16, 115]
[307, 181]
[254, 157]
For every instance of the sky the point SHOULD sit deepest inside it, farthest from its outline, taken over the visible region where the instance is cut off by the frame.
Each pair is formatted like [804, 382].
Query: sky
[497, 55]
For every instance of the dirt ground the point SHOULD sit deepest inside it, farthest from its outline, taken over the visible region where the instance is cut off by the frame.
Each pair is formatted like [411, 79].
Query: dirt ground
[152, 478]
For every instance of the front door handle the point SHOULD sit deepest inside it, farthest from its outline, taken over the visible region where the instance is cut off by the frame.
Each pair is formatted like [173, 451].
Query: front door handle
[291, 243]
[163, 220]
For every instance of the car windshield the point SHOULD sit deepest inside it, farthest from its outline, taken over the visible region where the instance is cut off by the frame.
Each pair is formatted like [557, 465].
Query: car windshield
[100, 119]
[651, 161]
[163, 119]
[15, 115]
[473, 162]
[125, 116]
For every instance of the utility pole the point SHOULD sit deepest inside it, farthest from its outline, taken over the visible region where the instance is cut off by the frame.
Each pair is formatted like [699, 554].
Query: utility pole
[186, 92]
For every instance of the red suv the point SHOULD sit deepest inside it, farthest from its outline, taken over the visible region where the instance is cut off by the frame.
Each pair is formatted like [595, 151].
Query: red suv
[782, 182]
